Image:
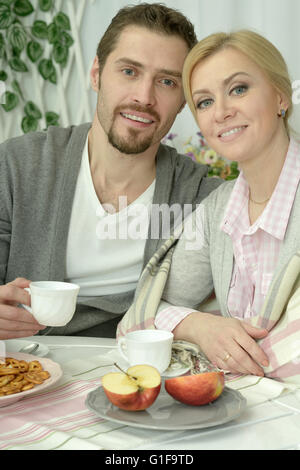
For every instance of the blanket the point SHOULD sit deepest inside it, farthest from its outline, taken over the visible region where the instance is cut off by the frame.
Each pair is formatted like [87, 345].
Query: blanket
[141, 314]
[280, 313]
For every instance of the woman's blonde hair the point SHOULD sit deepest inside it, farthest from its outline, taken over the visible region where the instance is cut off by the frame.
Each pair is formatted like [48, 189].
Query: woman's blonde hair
[261, 51]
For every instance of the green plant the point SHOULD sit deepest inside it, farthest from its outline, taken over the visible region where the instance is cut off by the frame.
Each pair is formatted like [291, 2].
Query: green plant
[23, 47]
[201, 153]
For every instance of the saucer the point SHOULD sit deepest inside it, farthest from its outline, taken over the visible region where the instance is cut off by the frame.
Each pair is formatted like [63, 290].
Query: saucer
[14, 345]
[173, 371]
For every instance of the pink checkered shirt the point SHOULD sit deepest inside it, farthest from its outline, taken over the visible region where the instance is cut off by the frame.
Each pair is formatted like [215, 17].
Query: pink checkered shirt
[256, 247]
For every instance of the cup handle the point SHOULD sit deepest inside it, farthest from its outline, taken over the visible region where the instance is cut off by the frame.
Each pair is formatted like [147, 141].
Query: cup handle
[29, 309]
[121, 342]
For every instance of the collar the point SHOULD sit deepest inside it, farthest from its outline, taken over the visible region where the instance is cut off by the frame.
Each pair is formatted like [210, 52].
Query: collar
[274, 218]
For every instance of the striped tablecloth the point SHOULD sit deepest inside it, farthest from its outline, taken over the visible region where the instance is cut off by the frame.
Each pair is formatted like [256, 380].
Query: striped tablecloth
[58, 418]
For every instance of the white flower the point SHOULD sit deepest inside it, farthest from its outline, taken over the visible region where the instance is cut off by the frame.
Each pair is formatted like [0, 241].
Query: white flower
[210, 157]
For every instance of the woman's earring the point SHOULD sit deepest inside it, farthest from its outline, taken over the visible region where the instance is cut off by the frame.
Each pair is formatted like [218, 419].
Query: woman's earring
[282, 113]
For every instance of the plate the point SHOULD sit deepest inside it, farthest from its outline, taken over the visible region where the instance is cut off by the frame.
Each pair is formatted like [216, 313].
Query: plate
[52, 367]
[14, 345]
[169, 414]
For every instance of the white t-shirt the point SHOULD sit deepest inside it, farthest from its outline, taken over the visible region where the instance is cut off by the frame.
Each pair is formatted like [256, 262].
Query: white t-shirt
[105, 250]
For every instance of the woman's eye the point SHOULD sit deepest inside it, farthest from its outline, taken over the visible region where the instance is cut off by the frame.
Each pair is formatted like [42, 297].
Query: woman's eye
[204, 103]
[239, 90]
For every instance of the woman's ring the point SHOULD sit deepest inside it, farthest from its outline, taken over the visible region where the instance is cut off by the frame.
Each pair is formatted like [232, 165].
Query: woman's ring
[226, 357]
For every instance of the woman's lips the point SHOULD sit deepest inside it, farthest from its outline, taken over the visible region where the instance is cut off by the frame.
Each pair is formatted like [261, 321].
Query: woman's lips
[229, 134]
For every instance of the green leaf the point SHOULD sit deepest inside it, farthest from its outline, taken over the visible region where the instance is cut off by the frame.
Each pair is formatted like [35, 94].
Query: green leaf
[45, 5]
[2, 52]
[54, 33]
[23, 8]
[11, 100]
[29, 124]
[6, 16]
[231, 177]
[60, 53]
[40, 29]
[3, 75]
[7, 2]
[53, 77]
[16, 87]
[18, 65]
[51, 118]
[17, 36]
[62, 21]
[15, 52]
[32, 110]
[34, 50]
[2, 46]
[46, 68]
[66, 39]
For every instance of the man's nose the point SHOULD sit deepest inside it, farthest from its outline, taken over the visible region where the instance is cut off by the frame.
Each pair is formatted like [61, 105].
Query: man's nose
[144, 93]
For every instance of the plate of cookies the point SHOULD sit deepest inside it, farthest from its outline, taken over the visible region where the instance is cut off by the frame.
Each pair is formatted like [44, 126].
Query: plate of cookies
[22, 375]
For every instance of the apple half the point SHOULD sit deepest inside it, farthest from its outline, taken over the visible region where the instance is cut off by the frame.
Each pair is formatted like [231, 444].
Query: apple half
[198, 389]
[134, 390]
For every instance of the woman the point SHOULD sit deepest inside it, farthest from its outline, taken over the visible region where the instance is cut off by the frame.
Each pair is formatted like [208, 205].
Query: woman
[238, 88]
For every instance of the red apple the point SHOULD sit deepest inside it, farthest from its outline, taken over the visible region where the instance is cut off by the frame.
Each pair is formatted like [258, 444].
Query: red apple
[133, 390]
[198, 389]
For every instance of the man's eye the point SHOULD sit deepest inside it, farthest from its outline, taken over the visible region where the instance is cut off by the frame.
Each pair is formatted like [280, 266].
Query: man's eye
[204, 103]
[128, 72]
[168, 82]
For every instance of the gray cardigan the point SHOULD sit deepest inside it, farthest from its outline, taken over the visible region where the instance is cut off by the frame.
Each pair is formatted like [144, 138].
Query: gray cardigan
[195, 273]
[38, 174]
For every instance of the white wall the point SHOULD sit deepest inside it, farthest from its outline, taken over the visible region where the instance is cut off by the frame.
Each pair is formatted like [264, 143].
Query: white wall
[276, 19]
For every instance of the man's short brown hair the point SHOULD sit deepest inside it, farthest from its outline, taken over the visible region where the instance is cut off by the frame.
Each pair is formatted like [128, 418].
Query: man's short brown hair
[155, 17]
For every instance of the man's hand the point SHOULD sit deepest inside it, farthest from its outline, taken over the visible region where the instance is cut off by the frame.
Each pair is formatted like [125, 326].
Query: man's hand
[16, 322]
[227, 342]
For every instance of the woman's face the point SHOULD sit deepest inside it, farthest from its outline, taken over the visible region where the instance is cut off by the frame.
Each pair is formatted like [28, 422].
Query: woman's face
[236, 106]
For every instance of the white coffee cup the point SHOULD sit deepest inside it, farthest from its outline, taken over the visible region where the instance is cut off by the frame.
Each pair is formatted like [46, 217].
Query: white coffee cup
[151, 347]
[53, 303]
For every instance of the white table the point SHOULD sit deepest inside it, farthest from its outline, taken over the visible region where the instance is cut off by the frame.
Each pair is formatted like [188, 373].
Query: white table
[274, 424]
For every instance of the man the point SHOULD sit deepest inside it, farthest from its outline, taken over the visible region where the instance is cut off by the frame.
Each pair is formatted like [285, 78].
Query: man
[59, 189]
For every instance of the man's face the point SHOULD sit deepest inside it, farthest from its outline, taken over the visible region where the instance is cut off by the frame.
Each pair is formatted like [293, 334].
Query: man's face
[140, 90]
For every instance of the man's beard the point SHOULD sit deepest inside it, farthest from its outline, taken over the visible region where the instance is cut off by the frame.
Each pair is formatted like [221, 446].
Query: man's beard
[133, 143]
[130, 145]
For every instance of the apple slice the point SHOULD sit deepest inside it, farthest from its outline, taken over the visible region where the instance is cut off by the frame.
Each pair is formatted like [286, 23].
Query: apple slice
[133, 390]
[198, 389]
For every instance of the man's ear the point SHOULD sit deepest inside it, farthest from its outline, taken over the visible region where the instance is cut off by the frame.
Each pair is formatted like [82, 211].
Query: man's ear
[94, 75]
[181, 107]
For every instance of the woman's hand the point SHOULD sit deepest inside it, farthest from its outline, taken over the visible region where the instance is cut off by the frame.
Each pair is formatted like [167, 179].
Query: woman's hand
[16, 322]
[228, 343]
